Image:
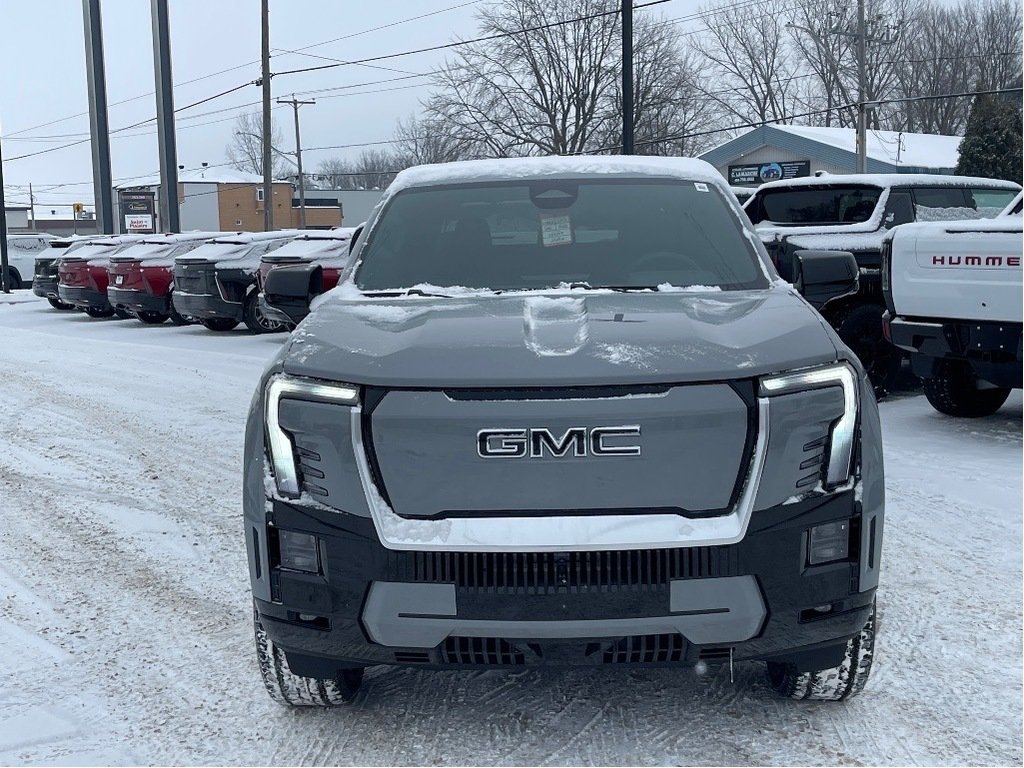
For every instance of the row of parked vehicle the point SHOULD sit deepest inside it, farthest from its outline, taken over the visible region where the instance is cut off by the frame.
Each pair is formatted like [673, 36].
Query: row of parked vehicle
[216, 279]
[220, 279]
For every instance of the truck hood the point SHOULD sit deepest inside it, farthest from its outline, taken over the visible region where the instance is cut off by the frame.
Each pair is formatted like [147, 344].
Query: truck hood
[569, 338]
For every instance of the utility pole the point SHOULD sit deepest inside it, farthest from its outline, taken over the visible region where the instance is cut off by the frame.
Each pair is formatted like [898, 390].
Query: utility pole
[268, 162]
[167, 147]
[296, 103]
[32, 206]
[627, 77]
[4, 284]
[862, 111]
[99, 127]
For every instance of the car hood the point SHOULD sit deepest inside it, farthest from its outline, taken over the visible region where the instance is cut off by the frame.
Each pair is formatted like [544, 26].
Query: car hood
[558, 339]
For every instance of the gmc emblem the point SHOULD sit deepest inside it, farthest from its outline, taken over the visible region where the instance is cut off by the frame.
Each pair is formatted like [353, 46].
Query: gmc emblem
[576, 441]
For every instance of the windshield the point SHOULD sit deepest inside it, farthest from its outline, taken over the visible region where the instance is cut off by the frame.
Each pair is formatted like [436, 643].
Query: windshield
[525, 235]
[814, 205]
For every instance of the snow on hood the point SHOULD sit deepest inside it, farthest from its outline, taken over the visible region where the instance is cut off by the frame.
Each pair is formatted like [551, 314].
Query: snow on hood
[557, 338]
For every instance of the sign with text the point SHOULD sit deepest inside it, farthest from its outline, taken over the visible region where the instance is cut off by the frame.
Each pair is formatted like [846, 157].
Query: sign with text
[139, 210]
[753, 174]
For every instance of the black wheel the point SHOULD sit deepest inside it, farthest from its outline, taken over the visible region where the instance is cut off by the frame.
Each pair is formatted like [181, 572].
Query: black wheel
[58, 304]
[99, 311]
[834, 683]
[176, 317]
[861, 330]
[285, 687]
[13, 281]
[255, 320]
[219, 323]
[123, 314]
[151, 318]
[954, 391]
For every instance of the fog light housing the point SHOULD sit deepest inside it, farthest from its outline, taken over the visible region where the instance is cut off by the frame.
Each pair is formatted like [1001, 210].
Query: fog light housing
[299, 551]
[828, 542]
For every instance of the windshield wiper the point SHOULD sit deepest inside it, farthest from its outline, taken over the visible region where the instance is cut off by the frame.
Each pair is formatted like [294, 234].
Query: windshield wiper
[406, 292]
[584, 285]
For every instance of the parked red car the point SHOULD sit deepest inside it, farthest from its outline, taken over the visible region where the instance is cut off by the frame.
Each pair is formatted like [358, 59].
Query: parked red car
[327, 249]
[141, 278]
[82, 273]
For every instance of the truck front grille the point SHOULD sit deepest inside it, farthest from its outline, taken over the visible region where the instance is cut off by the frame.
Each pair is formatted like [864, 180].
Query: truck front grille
[646, 649]
[534, 573]
[480, 650]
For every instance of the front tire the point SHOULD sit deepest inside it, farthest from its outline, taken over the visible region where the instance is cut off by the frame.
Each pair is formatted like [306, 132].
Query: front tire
[953, 390]
[58, 304]
[285, 687]
[255, 320]
[832, 684]
[176, 317]
[861, 330]
[13, 281]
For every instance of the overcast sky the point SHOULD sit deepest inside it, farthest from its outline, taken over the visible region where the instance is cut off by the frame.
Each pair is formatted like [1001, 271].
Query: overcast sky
[42, 57]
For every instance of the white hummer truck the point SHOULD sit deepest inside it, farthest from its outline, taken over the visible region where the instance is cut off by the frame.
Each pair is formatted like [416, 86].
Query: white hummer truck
[953, 296]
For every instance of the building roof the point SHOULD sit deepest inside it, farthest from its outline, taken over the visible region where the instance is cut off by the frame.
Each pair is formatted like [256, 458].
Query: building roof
[200, 176]
[887, 151]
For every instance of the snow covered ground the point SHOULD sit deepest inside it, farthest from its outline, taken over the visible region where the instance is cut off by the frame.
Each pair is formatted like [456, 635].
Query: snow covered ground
[125, 616]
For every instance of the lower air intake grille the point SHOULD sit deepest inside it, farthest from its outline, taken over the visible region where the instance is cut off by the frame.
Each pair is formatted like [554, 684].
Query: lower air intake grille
[550, 572]
[646, 649]
[480, 650]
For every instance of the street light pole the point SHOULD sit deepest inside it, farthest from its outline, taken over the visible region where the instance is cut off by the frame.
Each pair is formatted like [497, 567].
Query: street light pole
[268, 129]
[628, 147]
[296, 103]
[862, 111]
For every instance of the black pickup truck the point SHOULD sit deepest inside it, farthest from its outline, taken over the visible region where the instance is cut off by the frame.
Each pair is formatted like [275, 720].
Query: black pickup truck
[853, 213]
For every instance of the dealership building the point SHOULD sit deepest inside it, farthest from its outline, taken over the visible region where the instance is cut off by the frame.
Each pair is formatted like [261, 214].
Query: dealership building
[773, 152]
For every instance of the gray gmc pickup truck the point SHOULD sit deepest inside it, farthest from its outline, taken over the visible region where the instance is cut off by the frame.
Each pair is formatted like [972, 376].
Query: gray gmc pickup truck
[563, 411]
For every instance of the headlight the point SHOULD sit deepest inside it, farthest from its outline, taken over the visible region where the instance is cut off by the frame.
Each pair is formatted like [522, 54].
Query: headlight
[279, 442]
[844, 429]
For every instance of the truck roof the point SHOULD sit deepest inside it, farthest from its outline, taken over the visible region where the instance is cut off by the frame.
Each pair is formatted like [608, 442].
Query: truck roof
[467, 171]
[889, 180]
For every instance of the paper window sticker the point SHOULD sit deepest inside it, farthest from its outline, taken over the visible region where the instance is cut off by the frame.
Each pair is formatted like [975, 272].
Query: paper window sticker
[555, 229]
[701, 186]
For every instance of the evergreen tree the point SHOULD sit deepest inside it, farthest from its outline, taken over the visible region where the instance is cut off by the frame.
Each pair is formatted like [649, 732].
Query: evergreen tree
[992, 142]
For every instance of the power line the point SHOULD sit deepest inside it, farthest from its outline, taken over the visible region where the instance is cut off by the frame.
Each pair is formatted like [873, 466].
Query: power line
[461, 43]
[297, 51]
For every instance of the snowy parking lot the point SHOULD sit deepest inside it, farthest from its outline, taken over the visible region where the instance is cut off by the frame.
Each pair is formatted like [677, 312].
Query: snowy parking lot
[125, 616]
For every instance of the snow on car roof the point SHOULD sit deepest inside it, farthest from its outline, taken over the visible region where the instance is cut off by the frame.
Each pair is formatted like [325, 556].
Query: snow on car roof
[889, 180]
[334, 233]
[243, 238]
[541, 167]
[182, 237]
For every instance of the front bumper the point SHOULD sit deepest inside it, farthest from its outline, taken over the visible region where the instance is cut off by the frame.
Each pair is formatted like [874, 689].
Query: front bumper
[45, 287]
[757, 599]
[204, 306]
[82, 297]
[138, 301]
[995, 350]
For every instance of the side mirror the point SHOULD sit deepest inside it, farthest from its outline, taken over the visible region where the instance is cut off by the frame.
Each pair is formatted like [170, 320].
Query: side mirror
[824, 276]
[289, 291]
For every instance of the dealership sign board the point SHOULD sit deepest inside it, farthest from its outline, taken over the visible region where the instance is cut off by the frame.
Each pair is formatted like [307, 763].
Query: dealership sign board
[758, 173]
[138, 209]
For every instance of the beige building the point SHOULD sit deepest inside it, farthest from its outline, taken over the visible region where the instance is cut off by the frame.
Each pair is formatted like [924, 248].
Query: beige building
[222, 200]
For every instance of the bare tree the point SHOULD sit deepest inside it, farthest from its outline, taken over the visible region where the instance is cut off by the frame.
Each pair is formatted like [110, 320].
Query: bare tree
[536, 92]
[245, 150]
[372, 169]
[752, 65]
[423, 140]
